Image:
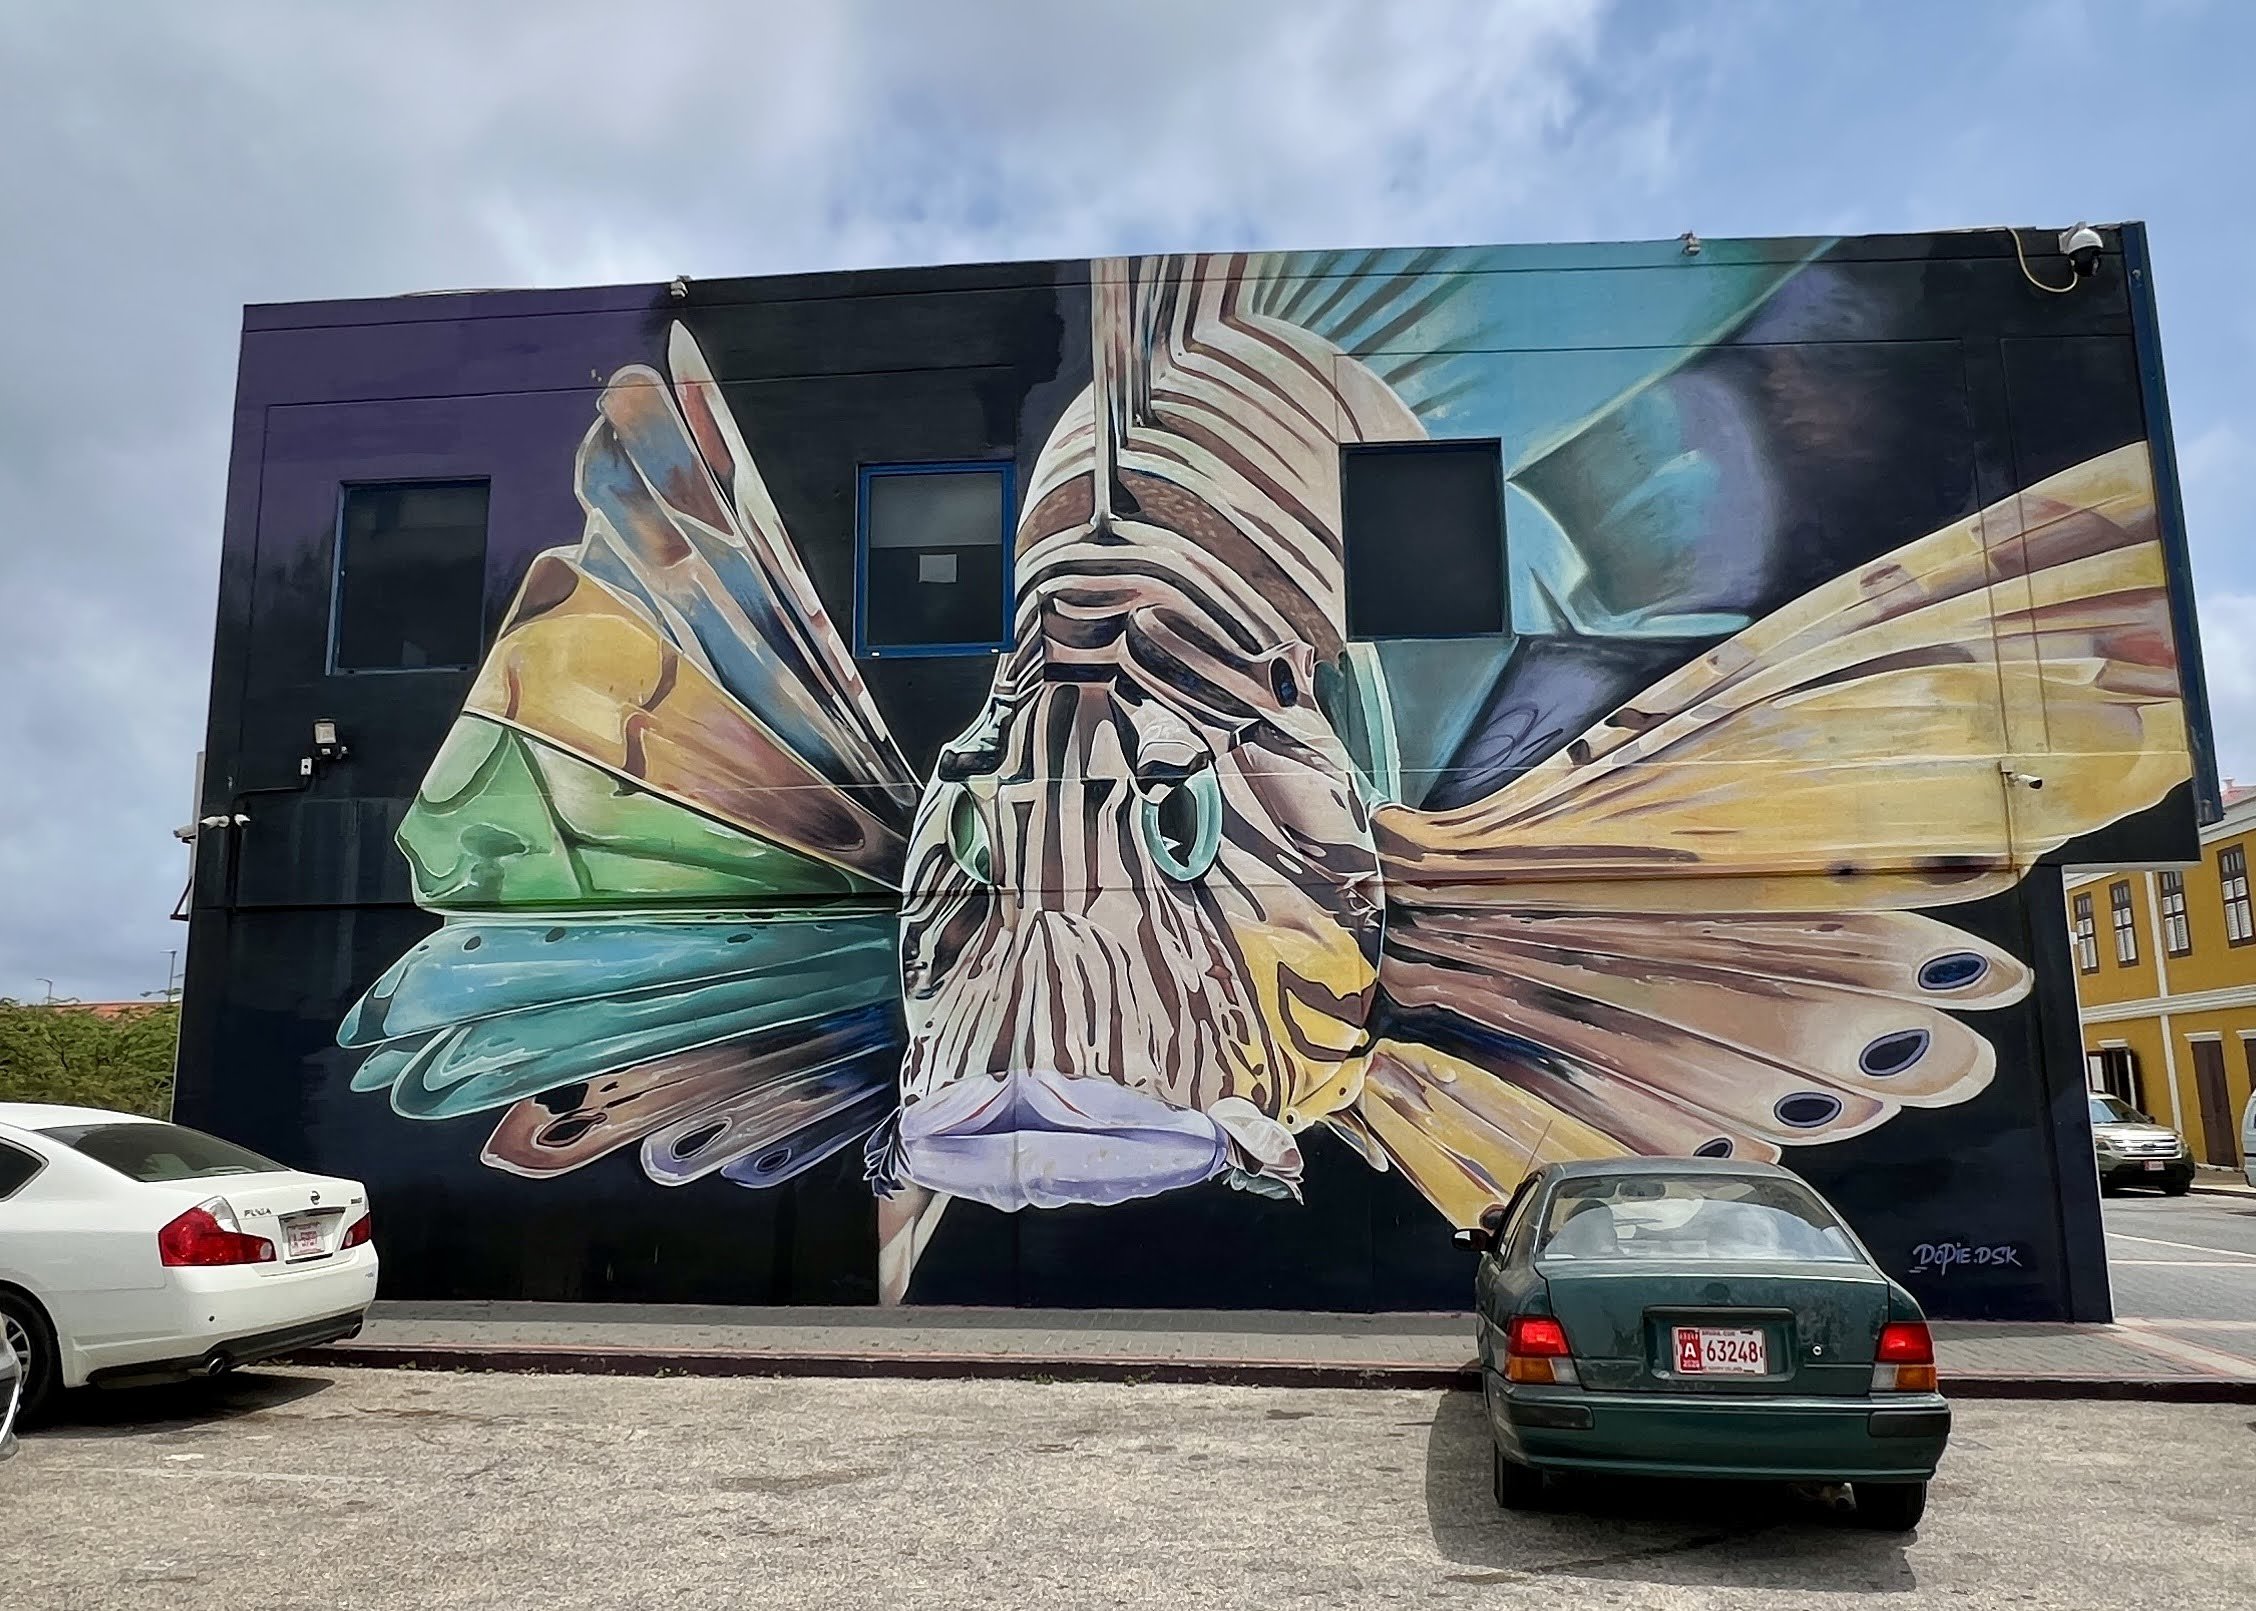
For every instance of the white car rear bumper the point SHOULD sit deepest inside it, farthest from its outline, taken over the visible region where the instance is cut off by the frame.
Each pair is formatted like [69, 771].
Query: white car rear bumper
[206, 1318]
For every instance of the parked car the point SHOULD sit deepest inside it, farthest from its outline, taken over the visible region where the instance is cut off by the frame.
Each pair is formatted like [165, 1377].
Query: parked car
[132, 1250]
[2248, 1139]
[2133, 1150]
[1699, 1318]
[11, 1394]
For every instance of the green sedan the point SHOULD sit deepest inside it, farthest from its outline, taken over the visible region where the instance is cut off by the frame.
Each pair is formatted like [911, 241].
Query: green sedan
[1700, 1318]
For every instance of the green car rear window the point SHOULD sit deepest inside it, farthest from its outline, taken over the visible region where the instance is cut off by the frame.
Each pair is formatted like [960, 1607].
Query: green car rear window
[1679, 1217]
[155, 1153]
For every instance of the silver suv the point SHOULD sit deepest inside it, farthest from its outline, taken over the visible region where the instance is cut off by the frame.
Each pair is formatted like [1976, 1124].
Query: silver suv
[2135, 1151]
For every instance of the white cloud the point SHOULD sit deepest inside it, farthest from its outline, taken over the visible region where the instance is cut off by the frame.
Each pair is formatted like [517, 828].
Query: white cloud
[170, 165]
[2228, 646]
[2217, 473]
[197, 158]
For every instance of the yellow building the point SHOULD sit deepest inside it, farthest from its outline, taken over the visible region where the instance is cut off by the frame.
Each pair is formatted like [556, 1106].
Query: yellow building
[2166, 982]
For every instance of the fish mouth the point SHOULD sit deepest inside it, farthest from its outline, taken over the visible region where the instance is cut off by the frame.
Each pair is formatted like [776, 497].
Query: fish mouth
[1041, 1139]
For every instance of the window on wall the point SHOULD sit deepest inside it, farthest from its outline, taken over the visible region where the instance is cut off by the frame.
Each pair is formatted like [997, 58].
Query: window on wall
[2122, 919]
[2115, 1070]
[2232, 870]
[934, 559]
[1423, 525]
[411, 576]
[2087, 935]
[2177, 934]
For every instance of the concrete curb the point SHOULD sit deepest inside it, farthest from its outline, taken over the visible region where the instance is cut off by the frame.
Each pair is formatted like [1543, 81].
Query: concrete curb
[609, 1360]
[612, 1360]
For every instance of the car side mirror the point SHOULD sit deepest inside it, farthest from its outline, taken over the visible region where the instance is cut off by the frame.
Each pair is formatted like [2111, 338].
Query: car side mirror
[1476, 1239]
[1492, 1220]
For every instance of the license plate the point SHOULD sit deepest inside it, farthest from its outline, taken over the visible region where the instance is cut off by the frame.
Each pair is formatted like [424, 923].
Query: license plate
[1712, 1351]
[2154, 1164]
[303, 1239]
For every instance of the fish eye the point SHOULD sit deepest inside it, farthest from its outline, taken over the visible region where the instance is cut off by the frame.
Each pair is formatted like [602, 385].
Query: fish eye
[967, 838]
[1283, 684]
[1183, 824]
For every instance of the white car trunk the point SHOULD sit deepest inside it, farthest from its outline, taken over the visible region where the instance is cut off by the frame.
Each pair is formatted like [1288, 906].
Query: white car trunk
[304, 1216]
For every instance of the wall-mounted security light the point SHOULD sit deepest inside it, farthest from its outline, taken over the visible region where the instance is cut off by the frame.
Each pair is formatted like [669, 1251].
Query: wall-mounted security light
[1690, 242]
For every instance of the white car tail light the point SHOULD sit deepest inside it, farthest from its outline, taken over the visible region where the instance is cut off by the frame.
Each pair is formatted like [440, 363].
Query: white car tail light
[207, 1235]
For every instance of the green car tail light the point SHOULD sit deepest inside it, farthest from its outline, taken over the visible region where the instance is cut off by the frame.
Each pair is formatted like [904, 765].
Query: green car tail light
[1536, 1351]
[1905, 1360]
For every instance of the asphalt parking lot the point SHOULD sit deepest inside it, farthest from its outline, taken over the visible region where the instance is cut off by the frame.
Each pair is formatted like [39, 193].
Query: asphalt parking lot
[381, 1489]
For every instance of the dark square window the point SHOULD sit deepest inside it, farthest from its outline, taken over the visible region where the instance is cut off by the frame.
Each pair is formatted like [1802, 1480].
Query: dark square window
[1423, 525]
[411, 576]
[935, 549]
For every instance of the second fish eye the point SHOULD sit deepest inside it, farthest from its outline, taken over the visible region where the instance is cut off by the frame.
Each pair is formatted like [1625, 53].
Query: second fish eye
[1182, 824]
[968, 844]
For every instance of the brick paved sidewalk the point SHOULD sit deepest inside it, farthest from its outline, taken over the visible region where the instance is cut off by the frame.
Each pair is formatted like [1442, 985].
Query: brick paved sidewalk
[2214, 1182]
[2134, 1359]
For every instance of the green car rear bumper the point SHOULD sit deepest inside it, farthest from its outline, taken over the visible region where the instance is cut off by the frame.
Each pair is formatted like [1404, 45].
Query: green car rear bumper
[1898, 1437]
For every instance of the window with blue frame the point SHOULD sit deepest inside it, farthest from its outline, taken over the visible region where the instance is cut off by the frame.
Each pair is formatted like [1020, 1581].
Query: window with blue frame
[409, 591]
[933, 559]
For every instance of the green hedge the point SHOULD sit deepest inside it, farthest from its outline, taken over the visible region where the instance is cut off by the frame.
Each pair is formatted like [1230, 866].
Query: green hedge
[65, 1054]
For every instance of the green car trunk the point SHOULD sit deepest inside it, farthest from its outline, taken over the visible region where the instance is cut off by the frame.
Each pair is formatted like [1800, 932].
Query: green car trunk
[1819, 1323]
[1812, 1415]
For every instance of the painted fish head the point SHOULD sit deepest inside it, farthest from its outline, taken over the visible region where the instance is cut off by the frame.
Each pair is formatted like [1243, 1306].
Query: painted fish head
[1142, 910]
[1140, 937]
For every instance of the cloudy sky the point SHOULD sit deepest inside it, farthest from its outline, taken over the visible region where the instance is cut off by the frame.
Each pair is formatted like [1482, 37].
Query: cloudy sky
[170, 162]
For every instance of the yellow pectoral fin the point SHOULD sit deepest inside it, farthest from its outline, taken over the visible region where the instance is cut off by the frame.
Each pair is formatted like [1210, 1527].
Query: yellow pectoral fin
[1852, 749]
[1464, 1137]
[588, 670]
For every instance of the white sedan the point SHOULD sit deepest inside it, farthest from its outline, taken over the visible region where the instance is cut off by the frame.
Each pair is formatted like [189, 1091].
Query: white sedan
[132, 1250]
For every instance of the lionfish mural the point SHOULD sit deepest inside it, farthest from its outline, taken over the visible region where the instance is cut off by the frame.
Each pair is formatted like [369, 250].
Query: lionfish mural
[1174, 896]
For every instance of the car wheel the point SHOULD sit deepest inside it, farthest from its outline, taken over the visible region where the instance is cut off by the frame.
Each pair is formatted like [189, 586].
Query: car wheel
[1518, 1487]
[1890, 1507]
[2107, 1188]
[2176, 1188]
[34, 1342]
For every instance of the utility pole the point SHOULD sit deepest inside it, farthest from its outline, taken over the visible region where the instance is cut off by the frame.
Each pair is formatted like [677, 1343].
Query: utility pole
[50, 997]
[172, 971]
